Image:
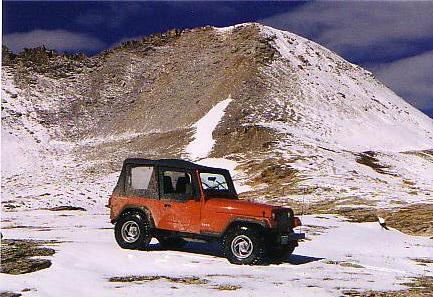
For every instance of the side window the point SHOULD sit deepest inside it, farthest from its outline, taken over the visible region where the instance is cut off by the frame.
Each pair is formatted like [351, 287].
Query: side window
[141, 181]
[213, 181]
[177, 185]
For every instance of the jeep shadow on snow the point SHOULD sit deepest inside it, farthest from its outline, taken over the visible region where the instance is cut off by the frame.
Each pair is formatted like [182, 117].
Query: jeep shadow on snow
[213, 249]
[173, 200]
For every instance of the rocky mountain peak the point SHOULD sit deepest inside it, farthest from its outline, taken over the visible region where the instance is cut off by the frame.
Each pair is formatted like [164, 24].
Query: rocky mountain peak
[291, 117]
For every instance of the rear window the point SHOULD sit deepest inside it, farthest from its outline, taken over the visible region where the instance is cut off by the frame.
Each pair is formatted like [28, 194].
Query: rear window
[141, 181]
[140, 177]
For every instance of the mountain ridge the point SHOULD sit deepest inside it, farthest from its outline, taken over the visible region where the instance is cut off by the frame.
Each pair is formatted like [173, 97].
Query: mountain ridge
[299, 127]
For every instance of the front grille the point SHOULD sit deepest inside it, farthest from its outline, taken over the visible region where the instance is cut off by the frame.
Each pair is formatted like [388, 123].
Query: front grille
[283, 221]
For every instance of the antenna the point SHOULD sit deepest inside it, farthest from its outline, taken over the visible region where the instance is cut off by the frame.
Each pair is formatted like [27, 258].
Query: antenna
[302, 188]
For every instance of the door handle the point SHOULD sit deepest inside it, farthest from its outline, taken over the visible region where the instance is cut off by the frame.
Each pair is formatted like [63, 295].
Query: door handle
[167, 205]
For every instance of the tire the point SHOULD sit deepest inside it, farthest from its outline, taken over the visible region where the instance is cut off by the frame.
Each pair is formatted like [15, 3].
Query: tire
[281, 253]
[170, 243]
[132, 231]
[244, 246]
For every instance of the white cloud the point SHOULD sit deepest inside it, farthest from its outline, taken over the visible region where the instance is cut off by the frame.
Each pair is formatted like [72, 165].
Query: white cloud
[411, 77]
[348, 27]
[52, 39]
[370, 32]
[113, 14]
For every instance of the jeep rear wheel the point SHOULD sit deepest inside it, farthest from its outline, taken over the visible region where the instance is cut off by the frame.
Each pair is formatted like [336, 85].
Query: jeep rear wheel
[244, 246]
[132, 231]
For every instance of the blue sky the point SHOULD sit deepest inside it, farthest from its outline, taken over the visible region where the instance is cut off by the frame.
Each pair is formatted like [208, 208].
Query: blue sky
[392, 39]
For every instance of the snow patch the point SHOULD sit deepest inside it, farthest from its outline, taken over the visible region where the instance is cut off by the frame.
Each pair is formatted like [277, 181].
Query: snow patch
[203, 141]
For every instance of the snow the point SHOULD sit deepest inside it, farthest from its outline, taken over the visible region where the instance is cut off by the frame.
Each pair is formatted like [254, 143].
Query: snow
[40, 170]
[336, 176]
[319, 133]
[20, 152]
[225, 31]
[340, 105]
[14, 159]
[88, 255]
[203, 141]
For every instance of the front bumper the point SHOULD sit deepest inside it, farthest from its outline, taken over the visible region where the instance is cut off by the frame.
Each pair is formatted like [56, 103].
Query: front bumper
[287, 238]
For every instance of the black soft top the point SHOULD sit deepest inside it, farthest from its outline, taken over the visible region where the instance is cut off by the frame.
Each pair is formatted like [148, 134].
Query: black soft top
[175, 164]
[172, 163]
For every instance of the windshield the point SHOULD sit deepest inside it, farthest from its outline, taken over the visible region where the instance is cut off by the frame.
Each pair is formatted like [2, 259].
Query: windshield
[216, 185]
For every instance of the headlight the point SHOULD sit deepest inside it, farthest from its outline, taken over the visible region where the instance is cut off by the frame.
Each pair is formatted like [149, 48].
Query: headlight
[281, 215]
[297, 222]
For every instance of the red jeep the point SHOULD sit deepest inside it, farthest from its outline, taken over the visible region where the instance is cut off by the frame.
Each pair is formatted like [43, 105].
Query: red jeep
[175, 199]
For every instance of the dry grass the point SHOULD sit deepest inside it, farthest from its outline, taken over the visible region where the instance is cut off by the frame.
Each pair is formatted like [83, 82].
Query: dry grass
[9, 294]
[148, 278]
[414, 219]
[17, 256]
[426, 154]
[271, 172]
[190, 280]
[227, 287]
[408, 182]
[423, 261]
[65, 207]
[353, 214]
[418, 287]
[369, 159]
[344, 264]
[352, 265]
[274, 181]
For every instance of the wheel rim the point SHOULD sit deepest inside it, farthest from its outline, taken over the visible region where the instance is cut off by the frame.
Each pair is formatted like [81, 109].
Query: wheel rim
[130, 231]
[242, 246]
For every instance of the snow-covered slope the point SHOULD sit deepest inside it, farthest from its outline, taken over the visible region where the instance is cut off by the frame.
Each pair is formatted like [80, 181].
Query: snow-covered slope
[39, 169]
[325, 113]
[340, 104]
[336, 107]
[266, 100]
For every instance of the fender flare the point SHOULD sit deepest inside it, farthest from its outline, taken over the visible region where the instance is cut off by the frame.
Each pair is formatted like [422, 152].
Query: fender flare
[140, 209]
[262, 224]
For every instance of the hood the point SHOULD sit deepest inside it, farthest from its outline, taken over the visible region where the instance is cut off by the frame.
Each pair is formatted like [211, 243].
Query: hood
[240, 207]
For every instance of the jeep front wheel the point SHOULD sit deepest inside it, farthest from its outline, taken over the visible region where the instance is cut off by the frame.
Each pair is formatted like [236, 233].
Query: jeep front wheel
[244, 246]
[281, 253]
[132, 231]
